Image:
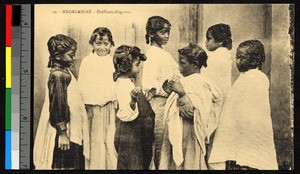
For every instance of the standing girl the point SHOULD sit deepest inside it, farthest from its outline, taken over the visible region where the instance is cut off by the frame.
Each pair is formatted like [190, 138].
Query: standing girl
[62, 136]
[159, 67]
[98, 88]
[244, 139]
[134, 134]
[219, 43]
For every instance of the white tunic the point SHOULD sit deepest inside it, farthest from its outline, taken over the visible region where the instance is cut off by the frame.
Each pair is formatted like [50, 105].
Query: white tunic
[159, 67]
[96, 79]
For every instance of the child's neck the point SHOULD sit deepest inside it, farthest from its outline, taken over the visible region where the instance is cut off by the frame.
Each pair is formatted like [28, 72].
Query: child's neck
[156, 45]
[58, 65]
[124, 76]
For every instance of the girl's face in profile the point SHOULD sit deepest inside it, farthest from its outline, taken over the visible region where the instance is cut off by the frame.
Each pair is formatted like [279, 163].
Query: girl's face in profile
[68, 58]
[161, 37]
[242, 59]
[102, 46]
[135, 70]
[185, 67]
[210, 42]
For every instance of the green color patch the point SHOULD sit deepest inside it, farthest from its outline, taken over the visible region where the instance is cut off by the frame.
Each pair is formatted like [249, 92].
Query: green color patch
[7, 109]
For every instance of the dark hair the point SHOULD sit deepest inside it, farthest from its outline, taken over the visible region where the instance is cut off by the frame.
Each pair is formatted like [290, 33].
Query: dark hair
[101, 31]
[221, 33]
[154, 24]
[255, 50]
[194, 54]
[58, 45]
[123, 59]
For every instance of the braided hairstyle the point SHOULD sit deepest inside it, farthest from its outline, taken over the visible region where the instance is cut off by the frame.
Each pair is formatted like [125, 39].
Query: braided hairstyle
[222, 34]
[59, 45]
[194, 54]
[123, 59]
[154, 24]
[255, 50]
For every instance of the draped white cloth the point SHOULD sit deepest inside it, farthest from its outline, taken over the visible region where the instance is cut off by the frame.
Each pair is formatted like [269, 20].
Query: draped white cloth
[206, 97]
[77, 128]
[245, 132]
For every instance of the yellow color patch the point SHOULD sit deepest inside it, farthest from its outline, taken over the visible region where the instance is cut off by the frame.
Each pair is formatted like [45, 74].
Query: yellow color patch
[8, 66]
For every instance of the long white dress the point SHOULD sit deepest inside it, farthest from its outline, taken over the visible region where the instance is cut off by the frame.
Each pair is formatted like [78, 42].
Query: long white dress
[98, 89]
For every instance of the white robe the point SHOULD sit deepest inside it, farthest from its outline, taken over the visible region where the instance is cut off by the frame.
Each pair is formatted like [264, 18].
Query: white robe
[245, 132]
[218, 70]
[206, 97]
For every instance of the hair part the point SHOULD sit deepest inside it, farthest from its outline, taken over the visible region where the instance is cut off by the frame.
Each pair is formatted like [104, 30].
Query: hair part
[194, 54]
[256, 51]
[101, 32]
[222, 34]
[123, 59]
[59, 45]
[154, 24]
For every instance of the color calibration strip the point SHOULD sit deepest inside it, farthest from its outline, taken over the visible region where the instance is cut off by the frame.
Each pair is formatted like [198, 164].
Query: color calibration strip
[8, 35]
[13, 89]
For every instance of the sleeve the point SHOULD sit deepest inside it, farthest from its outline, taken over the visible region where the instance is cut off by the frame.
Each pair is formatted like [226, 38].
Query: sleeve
[186, 108]
[58, 108]
[125, 113]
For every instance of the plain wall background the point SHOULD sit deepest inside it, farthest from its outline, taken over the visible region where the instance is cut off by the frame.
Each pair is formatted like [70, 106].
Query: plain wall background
[266, 22]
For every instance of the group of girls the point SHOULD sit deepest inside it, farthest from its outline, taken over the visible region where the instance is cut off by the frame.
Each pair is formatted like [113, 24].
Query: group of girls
[106, 120]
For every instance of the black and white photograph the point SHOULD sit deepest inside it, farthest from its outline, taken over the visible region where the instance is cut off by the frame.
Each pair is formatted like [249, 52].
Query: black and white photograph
[163, 87]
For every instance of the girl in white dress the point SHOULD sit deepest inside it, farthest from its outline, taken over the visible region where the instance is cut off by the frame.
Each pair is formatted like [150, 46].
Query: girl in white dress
[98, 89]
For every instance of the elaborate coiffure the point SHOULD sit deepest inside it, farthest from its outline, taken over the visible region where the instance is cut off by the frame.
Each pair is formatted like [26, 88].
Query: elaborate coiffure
[101, 31]
[194, 54]
[59, 45]
[154, 24]
[222, 34]
[123, 59]
[256, 51]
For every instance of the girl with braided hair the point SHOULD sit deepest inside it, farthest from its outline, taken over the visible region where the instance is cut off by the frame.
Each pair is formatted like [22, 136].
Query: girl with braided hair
[159, 67]
[62, 135]
[98, 89]
[135, 117]
[244, 139]
[219, 63]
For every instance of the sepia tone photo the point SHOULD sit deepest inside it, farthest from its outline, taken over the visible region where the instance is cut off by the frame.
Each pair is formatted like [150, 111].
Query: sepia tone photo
[163, 87]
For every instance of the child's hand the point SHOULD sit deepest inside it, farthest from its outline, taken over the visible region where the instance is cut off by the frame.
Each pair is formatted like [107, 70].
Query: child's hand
[177, 87]
[150, 93]
[63, 141]
[165, 87]
[134, 93]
